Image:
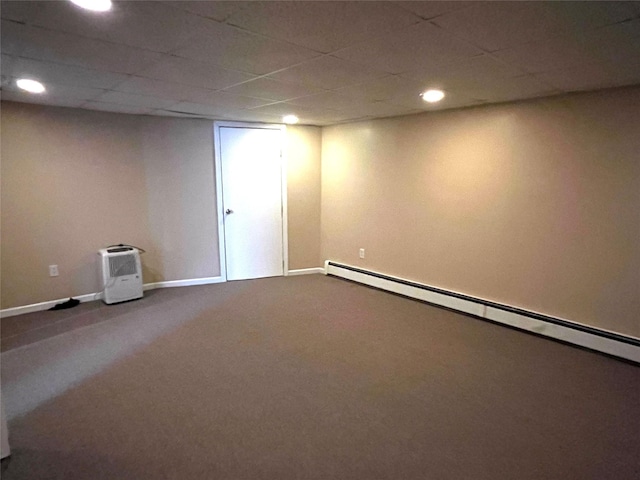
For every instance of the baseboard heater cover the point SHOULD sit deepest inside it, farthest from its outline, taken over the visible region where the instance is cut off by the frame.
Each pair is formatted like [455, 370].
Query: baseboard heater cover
[596, 339]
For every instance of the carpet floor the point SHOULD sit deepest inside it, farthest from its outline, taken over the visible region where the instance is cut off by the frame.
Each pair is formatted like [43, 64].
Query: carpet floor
[307, 377]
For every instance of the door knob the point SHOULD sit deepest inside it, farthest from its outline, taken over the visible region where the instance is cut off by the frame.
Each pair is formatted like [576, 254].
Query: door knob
[228, 211]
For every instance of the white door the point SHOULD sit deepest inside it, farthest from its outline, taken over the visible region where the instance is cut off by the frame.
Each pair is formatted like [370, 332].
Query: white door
[251, 167]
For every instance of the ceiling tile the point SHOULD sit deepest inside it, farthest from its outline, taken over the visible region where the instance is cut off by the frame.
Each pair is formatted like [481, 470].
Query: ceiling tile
[384, 89]
[20, 11]
[417, 48]
[59, 91]
[42, 44]
[275, 111]
[116, 108]
[479, 69]
[285, 108]
[233, 48]
[504, 89]
[497, 25]
[379, 109]
[227, 100]
[632, 27]
[218, 11]
[73, 91]
[388, 52]
[191, 72]
[63, 74]
[198, 109]
[23, 97]
[272, 89]
[550, 54]
[481, 78]
[591, 77]
[149, 25]
[323, 26]
[169, 113]
[453, 99]
[8, 65]
[429, 10]
[328, 72]
[251, 116]
[618, 44]
[307, 115]
[194, 110]
[580, 16]
[158, 88]
[13, 37]
[135, 100]
[331, 100]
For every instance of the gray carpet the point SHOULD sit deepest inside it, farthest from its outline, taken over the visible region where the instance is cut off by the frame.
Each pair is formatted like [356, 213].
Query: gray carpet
[306, 378]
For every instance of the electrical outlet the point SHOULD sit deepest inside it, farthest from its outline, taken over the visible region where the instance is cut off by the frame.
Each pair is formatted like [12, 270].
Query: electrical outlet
[53, 270]
[361, 253]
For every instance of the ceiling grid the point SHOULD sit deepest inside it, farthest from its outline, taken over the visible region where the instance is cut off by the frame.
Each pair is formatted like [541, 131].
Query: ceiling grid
[327, 62]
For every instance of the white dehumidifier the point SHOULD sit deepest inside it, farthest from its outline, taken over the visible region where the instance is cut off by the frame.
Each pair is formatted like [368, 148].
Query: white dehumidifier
[121, 274]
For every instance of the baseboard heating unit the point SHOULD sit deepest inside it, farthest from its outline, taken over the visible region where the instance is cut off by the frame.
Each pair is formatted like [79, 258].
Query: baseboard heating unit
[603, 341]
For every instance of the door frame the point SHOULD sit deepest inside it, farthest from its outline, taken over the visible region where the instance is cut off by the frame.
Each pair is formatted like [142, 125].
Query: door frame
[217, 160]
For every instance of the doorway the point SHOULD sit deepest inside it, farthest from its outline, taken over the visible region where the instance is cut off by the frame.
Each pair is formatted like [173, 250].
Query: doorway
[251, 189]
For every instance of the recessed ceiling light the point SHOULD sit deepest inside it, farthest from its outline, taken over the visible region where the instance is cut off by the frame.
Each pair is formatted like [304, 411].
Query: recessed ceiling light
[432, 96]
[95, 5]
[31, 86]
[290, 119]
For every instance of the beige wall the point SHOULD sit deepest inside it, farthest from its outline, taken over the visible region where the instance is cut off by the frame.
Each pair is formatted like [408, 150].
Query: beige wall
[74, 181]
[534, 204]
[181, 199]
[303, 193]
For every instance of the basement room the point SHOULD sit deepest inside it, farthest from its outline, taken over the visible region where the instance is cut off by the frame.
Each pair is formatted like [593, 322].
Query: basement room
[320, 240]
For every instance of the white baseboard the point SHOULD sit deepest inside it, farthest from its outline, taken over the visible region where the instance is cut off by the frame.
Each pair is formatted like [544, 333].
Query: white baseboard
[604, 341]
[36, 307]
[183, 283]
[88, 297]
[305, 271]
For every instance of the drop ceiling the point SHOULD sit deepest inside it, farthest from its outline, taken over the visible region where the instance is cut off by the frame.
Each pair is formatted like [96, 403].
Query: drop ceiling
[327, 62]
